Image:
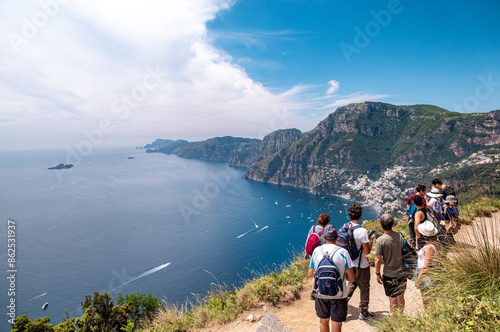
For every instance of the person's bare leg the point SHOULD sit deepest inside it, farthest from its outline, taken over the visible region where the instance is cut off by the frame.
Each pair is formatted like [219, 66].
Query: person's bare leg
[324, 325]
[401, 303]
[336, 326]
[392, 304]
[397, 303]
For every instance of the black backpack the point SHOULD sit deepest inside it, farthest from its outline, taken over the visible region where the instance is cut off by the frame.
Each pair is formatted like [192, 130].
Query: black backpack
[409, 258]
[433, 217]
[328, 281]
[347, 232]
[446, 191]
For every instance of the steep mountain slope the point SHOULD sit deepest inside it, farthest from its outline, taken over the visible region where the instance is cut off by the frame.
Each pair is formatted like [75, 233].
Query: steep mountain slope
[368, 138]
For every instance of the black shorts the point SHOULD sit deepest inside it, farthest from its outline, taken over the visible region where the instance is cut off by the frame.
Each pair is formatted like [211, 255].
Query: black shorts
[334, 309]
[394, 286]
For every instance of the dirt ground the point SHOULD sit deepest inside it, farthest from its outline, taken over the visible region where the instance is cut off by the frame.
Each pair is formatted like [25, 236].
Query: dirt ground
[299, 315]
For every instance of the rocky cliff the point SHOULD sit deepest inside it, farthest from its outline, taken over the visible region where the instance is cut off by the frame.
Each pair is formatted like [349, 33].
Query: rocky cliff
[369, 138]
[236, 151]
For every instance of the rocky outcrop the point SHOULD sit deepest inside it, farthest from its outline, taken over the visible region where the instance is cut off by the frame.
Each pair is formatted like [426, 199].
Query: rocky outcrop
[275, 141]
[62, 166]
[271, 323]
[236, 151]
[218, 148]
[158, 143]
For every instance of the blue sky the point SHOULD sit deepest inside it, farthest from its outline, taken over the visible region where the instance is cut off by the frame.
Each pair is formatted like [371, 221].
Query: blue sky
[88, 74]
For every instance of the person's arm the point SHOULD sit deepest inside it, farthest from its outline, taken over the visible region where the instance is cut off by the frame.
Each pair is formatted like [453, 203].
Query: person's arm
[367, 247]
[429, 255]
[366, 243]
[419, 217]
[378, 266]
[350, 275]
[310, 273]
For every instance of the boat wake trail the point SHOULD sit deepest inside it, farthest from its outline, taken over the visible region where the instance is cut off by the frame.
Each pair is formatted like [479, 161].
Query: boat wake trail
[263, 228]
[242, 235]
[148, 272]
[256, 226]
[36, 297]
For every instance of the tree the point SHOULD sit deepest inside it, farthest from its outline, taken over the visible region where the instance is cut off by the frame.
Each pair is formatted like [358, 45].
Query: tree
[24, 324]
[99, 314]
[143, 306]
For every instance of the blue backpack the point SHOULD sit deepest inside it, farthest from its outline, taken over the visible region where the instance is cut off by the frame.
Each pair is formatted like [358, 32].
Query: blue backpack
[412, 209]
[328, 281]
[347, 232]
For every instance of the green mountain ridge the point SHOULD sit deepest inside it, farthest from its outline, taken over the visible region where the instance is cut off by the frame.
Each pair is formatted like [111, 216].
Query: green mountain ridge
[359, 146]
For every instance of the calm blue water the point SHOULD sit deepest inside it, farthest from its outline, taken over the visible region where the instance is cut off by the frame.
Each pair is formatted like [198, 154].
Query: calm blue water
[154, 224]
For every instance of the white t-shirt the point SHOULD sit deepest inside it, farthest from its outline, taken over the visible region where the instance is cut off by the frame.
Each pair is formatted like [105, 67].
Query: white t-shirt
[360, 237]
[341, 259]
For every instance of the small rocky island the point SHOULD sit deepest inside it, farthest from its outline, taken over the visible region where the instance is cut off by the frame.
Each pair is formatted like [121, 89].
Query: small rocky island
[62, 166]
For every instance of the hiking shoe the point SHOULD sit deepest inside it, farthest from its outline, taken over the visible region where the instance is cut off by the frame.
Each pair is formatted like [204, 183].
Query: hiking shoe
[365, 315]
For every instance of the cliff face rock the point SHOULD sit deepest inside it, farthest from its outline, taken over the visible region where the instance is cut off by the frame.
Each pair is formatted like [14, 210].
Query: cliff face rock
[173, 146]
[368, 138]
[275, 141]
[158, 143]
[236, 151]
[218, 148]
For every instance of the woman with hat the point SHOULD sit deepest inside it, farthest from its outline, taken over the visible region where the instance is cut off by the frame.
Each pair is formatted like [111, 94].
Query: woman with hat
[426, 255]
[450, 210]
[450, 216]
[436, 202]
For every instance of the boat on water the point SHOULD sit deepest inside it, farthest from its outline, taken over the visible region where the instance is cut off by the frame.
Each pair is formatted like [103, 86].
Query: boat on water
[46, 304]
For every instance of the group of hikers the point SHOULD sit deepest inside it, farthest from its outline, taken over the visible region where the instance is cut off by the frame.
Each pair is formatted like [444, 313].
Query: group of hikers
[339, 262]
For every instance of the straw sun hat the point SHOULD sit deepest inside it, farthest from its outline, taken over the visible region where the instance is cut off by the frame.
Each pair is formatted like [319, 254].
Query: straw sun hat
[427, 228]
[434, 193]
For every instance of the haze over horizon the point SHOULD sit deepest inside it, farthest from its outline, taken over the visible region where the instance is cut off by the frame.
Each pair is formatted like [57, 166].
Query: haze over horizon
[123, 73]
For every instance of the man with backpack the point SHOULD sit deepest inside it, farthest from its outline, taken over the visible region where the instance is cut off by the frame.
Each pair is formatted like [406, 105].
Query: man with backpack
[358, 249]
[436, 202]
[389, 249]
[331, 266]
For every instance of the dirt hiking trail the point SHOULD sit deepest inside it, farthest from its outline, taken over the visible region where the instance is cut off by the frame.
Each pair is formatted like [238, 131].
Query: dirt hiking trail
[299, 315]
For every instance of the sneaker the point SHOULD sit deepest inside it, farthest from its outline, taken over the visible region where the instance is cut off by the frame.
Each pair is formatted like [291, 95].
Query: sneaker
[365, 315]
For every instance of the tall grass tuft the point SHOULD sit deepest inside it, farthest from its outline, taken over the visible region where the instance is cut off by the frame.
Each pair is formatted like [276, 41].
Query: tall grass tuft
[473, 266]
[482, 207]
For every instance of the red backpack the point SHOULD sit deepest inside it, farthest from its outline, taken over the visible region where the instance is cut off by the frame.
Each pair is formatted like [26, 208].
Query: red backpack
[313, 241]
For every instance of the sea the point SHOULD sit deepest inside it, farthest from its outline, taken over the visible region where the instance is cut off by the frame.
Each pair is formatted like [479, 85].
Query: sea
[126, 221]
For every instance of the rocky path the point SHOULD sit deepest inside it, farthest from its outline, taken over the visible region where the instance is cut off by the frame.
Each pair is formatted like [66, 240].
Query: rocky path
[300, 316]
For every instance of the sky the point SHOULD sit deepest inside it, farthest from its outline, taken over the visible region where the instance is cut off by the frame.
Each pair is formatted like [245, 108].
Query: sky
[84, 74]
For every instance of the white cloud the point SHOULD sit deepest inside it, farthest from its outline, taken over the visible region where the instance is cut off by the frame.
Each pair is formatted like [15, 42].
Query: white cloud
[81, 66]
[333, 86]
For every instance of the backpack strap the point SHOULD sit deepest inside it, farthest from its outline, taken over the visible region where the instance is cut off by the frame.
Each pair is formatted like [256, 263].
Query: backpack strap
[326, 254]
[320, 233]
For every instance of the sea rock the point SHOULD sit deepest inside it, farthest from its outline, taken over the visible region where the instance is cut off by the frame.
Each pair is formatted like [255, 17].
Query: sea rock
[271, 323]
[62, 166]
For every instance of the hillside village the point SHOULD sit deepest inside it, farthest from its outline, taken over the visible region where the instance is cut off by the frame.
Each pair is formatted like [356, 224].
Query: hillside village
[385, 195]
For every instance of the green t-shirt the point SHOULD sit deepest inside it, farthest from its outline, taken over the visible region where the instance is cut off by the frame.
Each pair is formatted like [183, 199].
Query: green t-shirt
[390, 247]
